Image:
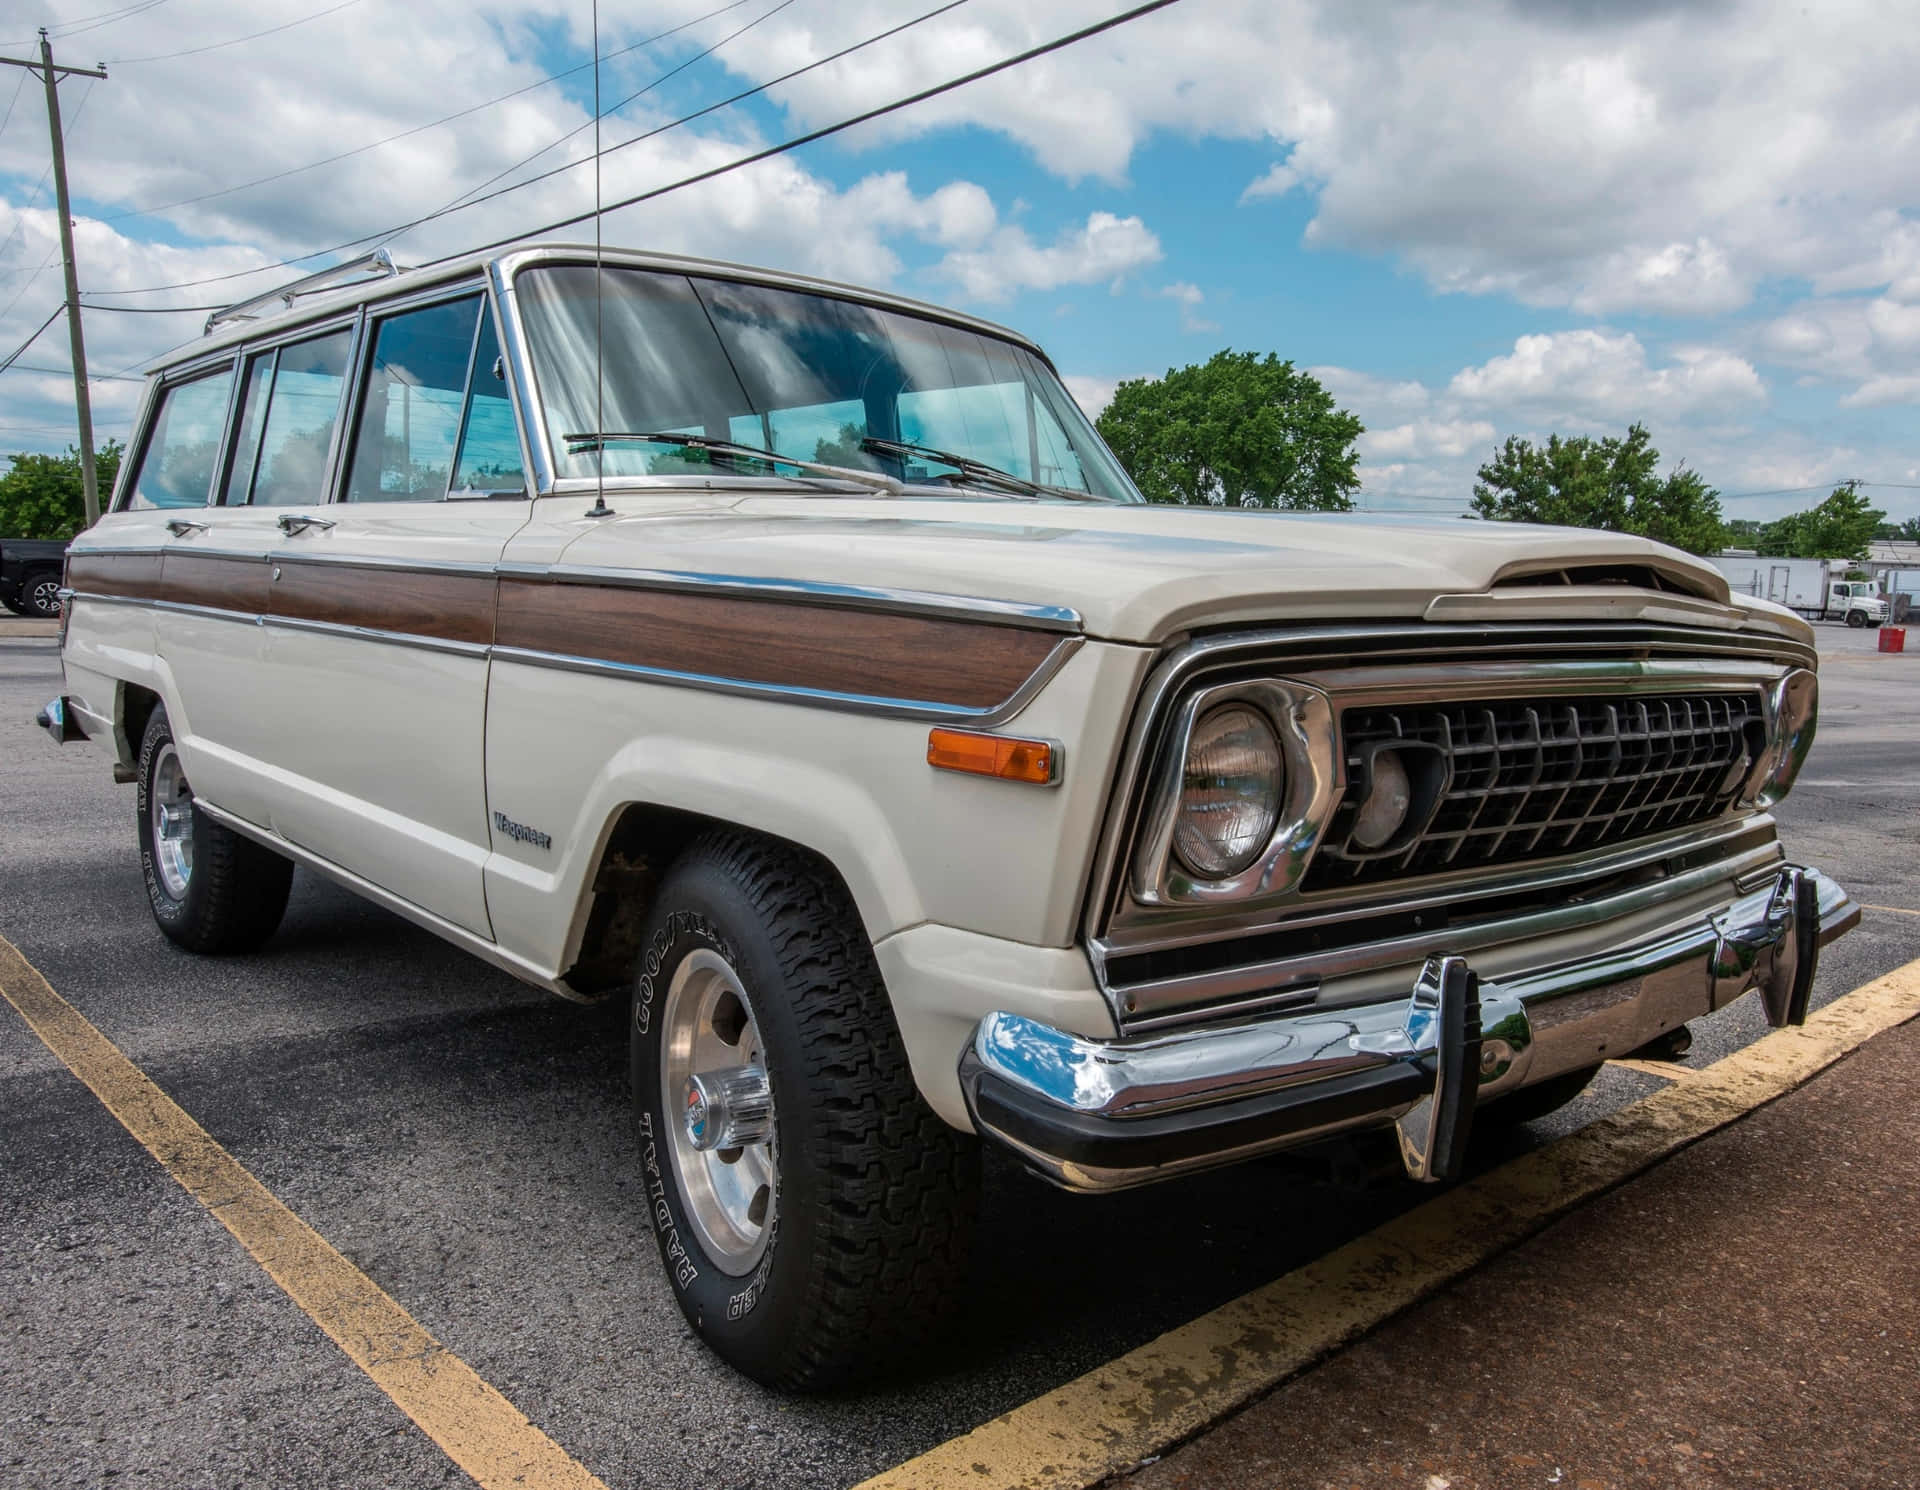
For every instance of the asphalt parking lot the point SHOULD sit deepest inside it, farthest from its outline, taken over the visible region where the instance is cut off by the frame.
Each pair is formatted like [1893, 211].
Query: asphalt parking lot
[464, 1140]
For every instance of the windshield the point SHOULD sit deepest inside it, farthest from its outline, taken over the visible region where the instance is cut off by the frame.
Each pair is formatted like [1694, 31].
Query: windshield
[805, 375]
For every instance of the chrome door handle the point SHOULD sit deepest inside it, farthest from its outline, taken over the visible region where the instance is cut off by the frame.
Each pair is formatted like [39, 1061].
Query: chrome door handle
[299, 522]
[181, 526]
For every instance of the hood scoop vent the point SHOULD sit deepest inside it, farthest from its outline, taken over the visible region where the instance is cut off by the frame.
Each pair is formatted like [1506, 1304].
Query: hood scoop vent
[1627, 576]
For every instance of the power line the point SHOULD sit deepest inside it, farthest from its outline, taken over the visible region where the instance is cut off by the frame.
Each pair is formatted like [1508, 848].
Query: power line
[20, 219]
[599, 114]
[235, 41]
[1057, 44]
[82, 24]
[207, 196]
[149, 310]
[67, 372]
[94, 23]
[12, 101]
[17, 351]
[395, 231]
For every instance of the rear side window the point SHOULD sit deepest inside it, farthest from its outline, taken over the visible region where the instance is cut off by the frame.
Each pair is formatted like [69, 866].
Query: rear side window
[280, 455]
[435, 413]
[176, 470]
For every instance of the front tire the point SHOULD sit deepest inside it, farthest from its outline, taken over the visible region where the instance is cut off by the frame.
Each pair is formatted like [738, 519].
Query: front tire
[210, 889]
[834, 1230]
[1856, 619]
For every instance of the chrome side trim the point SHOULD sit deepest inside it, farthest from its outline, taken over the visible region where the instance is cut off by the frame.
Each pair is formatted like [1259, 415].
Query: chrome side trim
[466, 940]
[857, 703]
[855, 597]
[479, 650]
[179, 607]
[383, 566]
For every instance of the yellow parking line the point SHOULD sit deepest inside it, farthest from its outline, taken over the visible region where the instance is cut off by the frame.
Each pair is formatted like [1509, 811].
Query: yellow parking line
[1898, 910]
[1665, 1070]
[478, 1429]
[1148, 1400]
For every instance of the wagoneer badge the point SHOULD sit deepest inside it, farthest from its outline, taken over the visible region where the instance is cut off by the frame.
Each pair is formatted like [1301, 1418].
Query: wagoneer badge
[520, 832]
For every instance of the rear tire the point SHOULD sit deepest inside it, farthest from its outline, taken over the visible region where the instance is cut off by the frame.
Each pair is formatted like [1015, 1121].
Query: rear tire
[211, 890]
[1536, 1101]
[848, 1239]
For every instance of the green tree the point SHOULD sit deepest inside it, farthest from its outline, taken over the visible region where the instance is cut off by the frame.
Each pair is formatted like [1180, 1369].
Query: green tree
[1612, 483]
[1907, 531]
[40, 496]
[1236, 431]
[1839, 528]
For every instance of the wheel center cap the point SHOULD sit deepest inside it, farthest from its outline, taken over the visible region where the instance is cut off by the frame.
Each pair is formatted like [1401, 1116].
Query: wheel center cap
[728, 1108]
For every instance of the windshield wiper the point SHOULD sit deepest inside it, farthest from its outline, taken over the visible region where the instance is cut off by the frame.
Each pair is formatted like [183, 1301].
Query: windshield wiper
[979, 470]
[578, 444]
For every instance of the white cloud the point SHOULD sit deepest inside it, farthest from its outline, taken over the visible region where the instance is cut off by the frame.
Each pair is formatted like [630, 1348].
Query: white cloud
[1190, 298]
[1426, 438]
[1884, 390]
[1092, 394]
[1104, 249]
[1600, 374]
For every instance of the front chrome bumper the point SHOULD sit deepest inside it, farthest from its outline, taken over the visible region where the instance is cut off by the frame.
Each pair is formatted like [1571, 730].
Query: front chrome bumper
[1103, 1115]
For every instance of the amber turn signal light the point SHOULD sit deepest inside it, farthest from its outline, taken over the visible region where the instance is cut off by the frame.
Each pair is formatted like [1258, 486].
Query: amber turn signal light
[991, 755]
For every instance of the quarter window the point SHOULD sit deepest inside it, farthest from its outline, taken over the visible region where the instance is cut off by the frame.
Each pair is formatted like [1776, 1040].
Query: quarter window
[489, 438]
[177, 468]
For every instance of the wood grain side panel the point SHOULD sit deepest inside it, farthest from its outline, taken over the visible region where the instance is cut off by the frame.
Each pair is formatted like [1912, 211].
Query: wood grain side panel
[136, 575]
[785, 643]
[223, 581]
[452, 607]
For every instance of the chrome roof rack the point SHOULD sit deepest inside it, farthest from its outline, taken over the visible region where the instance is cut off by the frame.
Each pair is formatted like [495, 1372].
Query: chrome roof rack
[376, 265]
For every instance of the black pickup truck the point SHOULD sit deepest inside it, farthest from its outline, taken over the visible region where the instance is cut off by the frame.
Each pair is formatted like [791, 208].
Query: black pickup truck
[30, 571]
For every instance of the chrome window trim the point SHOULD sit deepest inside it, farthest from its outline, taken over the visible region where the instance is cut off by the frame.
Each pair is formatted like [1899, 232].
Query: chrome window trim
[513, 350]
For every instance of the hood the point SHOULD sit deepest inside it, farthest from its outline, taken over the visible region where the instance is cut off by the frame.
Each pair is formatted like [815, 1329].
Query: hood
[1144, 574]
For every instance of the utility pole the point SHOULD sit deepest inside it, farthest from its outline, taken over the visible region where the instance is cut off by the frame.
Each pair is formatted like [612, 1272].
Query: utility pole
[51, 75]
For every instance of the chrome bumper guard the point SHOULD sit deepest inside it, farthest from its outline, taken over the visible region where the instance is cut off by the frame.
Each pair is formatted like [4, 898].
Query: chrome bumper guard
[57, 720]
[1098, 1115]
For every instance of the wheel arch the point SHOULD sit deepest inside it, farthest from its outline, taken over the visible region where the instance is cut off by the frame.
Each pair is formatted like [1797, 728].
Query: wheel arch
[639, 843]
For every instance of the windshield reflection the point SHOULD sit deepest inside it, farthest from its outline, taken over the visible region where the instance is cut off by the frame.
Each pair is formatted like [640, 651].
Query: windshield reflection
[807, 375]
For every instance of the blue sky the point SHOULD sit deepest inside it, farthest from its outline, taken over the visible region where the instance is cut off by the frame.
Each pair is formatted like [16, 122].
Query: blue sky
[1470, 221]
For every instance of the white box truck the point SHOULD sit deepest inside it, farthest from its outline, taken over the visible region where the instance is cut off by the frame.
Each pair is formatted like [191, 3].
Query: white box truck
[1813, 587]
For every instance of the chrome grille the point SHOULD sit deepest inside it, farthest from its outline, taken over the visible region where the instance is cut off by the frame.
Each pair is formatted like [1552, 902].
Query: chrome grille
[1519, 779]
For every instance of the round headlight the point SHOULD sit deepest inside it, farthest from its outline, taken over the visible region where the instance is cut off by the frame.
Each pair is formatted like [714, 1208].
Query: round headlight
[1229, 792]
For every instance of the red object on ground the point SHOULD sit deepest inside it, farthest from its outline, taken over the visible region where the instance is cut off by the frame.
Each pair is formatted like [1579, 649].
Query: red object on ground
[1893, 638]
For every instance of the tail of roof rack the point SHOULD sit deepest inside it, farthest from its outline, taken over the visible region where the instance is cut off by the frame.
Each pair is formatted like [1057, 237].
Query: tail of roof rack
[376, 265]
